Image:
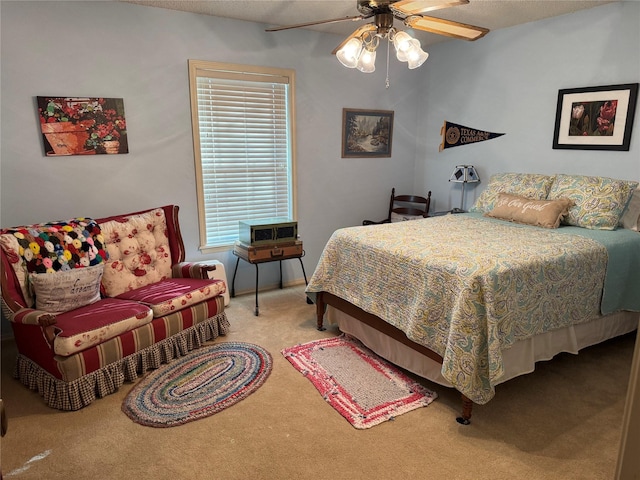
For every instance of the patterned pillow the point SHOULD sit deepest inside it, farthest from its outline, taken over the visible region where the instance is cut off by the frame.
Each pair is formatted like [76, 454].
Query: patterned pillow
[139, 252]
[631, 215]
[66, 290]
[52, 247]
[529, 185]
[540, 213]
[598, 201]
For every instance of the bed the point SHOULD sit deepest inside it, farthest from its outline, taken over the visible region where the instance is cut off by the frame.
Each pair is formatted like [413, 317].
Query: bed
[541, 264]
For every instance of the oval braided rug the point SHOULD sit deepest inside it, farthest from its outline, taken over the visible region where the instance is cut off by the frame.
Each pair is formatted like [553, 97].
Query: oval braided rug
[198, 385]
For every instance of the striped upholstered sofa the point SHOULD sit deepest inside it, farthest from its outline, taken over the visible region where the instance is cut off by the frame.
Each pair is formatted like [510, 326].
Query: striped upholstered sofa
[94, 303]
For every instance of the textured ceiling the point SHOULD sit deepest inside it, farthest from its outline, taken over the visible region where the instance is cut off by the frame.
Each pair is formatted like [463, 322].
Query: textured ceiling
[491, 14]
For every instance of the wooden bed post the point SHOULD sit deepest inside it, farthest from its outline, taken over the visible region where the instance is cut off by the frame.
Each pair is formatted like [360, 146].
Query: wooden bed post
[320, 308]
[467, 406]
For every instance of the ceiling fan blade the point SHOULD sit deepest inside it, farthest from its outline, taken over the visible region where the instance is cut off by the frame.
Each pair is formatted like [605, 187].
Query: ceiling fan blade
[446, 27]
[359, 31]
[416, 7]
[319, 22]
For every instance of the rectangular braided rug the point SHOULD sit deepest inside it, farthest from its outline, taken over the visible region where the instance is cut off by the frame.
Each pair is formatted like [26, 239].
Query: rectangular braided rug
[362, 387]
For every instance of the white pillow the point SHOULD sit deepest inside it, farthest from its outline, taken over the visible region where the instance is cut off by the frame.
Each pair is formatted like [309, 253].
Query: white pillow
[397, 217]
[66, 290]
[631, 215]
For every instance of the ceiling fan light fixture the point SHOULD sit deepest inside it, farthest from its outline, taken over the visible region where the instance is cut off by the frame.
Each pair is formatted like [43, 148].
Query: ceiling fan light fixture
[402, 44]
[416, 57]
[367, 61]
[358, 50]
[348, 55]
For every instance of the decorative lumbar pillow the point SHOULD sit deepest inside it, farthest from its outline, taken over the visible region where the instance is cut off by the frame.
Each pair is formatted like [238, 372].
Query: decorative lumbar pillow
[66, 290]
[529, 185]
[541, 213]
[598, 201]
[631, 215]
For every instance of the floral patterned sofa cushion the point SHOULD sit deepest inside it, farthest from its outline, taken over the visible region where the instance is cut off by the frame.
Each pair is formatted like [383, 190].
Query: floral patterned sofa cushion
[173, 294]
[139, 252]
[85, 327]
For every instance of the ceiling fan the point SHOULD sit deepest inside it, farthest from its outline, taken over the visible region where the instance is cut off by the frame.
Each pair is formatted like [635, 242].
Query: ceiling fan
[358, 49]
[408, 11]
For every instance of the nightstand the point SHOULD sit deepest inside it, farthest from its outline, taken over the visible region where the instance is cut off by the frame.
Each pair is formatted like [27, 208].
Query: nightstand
[264, 254]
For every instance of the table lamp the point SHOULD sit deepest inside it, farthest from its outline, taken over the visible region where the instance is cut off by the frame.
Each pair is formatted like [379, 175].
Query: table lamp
[464, 174]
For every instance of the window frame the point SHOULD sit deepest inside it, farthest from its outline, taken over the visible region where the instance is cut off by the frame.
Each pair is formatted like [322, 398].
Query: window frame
[226, 70]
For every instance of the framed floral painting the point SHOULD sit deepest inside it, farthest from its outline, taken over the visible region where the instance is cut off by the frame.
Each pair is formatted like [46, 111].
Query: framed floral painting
[595, 118]
[366, 133]
[82, 125]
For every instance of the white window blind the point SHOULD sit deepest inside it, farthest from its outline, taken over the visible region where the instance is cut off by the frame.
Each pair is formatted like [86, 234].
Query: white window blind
[242, 140]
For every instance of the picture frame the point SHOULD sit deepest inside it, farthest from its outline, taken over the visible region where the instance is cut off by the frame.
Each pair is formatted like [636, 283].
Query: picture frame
[366, 133]
[595, 118]
[82, 125]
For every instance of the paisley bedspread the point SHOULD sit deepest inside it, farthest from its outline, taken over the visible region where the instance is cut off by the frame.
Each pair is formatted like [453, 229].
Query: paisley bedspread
[465, 286]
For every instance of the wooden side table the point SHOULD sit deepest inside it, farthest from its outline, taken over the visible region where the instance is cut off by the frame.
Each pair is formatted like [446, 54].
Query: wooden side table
[267, 253]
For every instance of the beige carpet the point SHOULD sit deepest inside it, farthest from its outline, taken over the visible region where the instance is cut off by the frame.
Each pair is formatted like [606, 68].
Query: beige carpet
[562, 422]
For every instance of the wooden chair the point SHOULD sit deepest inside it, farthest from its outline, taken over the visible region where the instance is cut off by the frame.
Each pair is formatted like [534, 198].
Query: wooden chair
[405, 207]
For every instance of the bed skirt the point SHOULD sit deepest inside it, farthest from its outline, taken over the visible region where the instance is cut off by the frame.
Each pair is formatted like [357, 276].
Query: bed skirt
[83, 391]
[518, 360]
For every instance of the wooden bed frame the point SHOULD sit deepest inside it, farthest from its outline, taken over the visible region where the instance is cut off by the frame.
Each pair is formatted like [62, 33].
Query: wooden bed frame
[325, 298]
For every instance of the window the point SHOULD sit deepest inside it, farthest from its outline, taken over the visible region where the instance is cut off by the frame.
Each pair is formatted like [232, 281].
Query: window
[243, 119]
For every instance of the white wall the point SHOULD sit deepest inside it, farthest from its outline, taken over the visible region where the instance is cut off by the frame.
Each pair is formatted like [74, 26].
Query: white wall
[508, 82]
[112, 49]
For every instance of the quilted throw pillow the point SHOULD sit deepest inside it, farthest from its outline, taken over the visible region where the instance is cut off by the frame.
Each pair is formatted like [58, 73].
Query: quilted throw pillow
[529, 185]
[598, 201]
[52, 247]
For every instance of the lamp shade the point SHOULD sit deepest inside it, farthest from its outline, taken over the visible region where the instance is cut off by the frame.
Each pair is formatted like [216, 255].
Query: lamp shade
[367, 61]
[464, 174]
[416, 56]
[349, 53]
[402, 44]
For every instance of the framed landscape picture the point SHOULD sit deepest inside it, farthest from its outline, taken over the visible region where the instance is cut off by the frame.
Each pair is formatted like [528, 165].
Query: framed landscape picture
[366, 133]
[595, 118]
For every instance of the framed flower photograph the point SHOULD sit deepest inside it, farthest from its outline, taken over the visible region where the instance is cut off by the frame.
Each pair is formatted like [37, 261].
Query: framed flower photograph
[595, 118]
[82, 125]
[366, 133]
